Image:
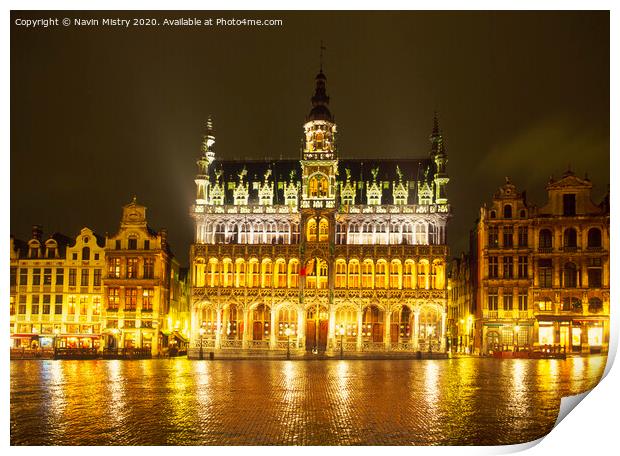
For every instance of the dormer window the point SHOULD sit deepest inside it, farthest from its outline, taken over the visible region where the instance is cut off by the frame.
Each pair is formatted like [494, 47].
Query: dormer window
[51, 252]
[132, 243]
[85, 254]
[33, 251]
[507, 211]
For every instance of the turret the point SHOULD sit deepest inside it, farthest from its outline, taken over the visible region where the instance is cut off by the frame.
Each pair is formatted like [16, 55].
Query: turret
[439, 156]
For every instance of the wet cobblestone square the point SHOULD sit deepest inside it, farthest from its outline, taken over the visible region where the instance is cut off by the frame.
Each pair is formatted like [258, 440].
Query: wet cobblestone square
[467, 401]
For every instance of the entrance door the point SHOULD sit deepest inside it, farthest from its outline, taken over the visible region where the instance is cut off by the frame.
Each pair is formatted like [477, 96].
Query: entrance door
[311, 334]
[394, 328]
[377, 332]
[257, 331]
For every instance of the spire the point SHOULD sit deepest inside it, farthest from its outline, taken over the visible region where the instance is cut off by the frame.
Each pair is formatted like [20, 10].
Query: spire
[436, 138]
[320, 100]
[208, 141]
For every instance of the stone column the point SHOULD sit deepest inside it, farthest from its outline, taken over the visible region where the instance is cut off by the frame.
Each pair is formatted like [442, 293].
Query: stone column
[415, 332]
[331, 334]
[301, 327]
[246, 328]
[387, 336]
[218, 327]
[358, 346]
[272, 333]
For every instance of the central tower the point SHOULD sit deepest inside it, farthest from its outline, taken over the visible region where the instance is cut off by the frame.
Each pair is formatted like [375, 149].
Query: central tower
[319, 169]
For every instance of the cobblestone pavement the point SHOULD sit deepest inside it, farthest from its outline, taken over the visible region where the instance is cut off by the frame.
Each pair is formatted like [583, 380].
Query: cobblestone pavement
[397, 402]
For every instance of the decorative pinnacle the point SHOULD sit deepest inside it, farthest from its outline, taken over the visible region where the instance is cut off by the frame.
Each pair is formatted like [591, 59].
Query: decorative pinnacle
[436, 138]
[323, 48]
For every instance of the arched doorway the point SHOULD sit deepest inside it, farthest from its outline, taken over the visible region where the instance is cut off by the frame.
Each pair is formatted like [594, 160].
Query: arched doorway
[372, 324]
[316, 328]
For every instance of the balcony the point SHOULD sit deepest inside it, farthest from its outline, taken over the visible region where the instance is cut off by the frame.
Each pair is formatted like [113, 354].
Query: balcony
[545, 249]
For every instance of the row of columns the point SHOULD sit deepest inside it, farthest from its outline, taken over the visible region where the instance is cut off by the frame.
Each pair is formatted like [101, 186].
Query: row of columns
[300, 335]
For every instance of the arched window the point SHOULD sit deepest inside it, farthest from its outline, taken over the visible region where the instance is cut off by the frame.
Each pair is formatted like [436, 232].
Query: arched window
[545, 239]
[267, 273]
[570, 238]
[293, 272]
[401, 325]
[220, 233]
[280, 278]
[522, 213]
[367, 233]
[346, 318]
[367, 274]
[493, 214]
[253, 273]
[322, 274]
[323, 187]
[354, 233]
[507, 211]
[594, 238]
[420, 234]
[244, 233]
[570, 275]
[287, 319]
[381, 234]
[258, 232]
[395, 271]
[354, 274]
[407, 234]
[323, 230]
[233, 322]
[313, 187]
[372, 324]
[341, 274]
[408, 275]
[423, 270]
[381, 279]
[341, 233]
[311, 230]
[240, 273]
[396, 236]
[261, 321]
[213, 273]
[85, 254]
[209, 322]
[199, 272]
[227, 273]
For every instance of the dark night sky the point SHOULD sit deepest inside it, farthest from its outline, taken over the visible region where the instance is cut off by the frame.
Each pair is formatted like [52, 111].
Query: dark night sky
[100, 114]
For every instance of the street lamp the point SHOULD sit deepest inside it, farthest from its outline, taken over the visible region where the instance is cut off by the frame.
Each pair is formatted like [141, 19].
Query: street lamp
[201, 331]
[288, 331]
[341, 332]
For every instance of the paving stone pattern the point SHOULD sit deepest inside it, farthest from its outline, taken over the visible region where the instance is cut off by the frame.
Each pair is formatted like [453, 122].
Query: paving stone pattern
[468, 401]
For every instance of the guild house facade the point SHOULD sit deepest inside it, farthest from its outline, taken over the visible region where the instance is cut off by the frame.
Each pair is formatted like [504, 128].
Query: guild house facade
[321, 252]
[541, 274]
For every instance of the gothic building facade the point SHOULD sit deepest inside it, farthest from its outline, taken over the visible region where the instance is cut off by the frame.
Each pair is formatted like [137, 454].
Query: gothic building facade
[321, 251]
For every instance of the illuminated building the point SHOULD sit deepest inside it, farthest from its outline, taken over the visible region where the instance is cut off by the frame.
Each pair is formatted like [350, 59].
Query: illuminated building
[461, 309]
[56, 290]
[542, 274]
[140, 269]
[321, 249]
